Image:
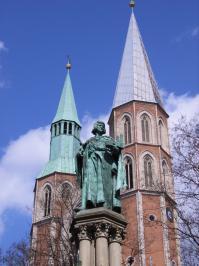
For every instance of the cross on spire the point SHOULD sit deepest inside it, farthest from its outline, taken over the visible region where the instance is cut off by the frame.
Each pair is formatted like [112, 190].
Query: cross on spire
[132, 4]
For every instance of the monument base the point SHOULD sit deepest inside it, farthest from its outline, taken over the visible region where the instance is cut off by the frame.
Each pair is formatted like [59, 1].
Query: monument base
[100, 233]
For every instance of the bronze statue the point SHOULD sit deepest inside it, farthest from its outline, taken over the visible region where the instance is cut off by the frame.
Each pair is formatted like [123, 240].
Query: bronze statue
[100, 170]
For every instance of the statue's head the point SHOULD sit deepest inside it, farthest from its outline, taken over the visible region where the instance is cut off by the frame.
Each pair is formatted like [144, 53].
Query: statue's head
[99, 127]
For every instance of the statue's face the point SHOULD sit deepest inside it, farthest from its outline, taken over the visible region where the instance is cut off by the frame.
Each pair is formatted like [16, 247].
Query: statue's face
[100, 128]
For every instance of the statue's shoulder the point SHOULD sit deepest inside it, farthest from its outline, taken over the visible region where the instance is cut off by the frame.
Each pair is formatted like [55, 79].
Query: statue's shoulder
[89, 141]
[108, 138]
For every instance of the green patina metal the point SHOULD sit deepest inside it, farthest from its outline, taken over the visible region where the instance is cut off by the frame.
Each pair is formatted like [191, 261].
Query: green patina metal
[100, 170]
[67, 109]
[65, 141]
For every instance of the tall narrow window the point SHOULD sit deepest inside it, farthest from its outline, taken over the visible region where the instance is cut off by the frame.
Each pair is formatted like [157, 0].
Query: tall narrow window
[165, 172]
[55, 129]
[145, 123]
[66, 192]
[59, 127]
[65, 128]
[78, 128]
[129, 172]
[70, 129]
[160, 125]
[75, 130]
[148, 172]
[127, 130]
[47, 200]
[164, 168]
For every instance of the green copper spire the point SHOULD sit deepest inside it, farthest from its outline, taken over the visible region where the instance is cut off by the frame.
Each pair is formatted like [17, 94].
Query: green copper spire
[65, 134]
[67, 109]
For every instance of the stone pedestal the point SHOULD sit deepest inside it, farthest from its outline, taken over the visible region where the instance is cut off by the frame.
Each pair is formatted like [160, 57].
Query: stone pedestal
[100, 233]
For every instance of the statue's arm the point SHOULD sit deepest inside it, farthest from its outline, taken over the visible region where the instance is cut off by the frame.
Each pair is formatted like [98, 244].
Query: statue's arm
[113, 145]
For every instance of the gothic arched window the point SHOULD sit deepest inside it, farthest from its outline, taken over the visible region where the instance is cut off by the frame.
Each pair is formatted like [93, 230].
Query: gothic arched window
[65, 128]
[127, 130]
[148, 171]
[145, 124]
[161, 131]
[47, 200]
[165, 168]
[129, 172]
[65, 191]
[165, 171]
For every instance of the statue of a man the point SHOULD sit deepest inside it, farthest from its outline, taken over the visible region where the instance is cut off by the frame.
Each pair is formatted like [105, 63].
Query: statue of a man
[100, 170]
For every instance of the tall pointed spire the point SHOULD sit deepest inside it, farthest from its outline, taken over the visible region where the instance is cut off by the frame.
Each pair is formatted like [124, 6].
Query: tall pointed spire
[67, 108]
[65, 133]
[136, 80]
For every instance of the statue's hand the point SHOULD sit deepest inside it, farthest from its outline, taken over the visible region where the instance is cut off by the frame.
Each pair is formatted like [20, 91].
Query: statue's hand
[112, 147]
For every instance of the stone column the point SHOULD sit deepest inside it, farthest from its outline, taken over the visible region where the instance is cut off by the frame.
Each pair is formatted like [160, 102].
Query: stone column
[84, 246]
[115, 240]
[93, 253]
[101, 236]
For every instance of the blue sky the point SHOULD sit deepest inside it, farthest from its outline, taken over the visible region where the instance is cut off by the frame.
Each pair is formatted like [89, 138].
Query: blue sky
[35, 39]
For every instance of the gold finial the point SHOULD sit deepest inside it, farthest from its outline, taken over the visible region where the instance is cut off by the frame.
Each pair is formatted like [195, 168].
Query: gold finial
[132, 4]
[68, 65]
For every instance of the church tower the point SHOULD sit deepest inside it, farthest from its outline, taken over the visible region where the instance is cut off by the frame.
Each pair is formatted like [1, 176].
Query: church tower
[57, 179]
[138, 116]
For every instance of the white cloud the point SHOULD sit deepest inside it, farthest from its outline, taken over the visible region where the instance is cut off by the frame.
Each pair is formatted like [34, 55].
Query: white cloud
[181, 105]
[188, 34]
[195, 32]
[2, 46]
[88, 122]
[2, 84]
[2, 49]
[20, 164]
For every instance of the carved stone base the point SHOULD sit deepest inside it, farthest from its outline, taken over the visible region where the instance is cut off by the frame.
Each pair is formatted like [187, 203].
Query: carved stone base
[100, 233]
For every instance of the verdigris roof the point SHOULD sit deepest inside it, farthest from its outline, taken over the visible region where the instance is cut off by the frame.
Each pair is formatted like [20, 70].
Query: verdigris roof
[67, 108]
[64, 145]
[136, 80]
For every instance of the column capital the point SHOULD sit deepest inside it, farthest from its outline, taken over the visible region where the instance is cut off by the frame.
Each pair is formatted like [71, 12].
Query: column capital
[117, 234]
[84, 233]
[102, 230]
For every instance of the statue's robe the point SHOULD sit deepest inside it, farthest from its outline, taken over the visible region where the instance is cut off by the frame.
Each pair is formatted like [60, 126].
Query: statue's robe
[101, 173]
